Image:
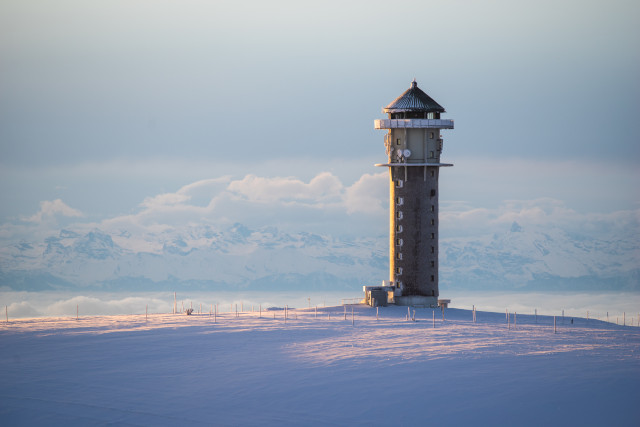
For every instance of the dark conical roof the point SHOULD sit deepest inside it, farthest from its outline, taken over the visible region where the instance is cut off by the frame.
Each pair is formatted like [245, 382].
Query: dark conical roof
[414, 99]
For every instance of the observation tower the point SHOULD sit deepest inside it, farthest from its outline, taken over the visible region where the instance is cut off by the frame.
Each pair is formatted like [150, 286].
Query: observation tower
[414, 145]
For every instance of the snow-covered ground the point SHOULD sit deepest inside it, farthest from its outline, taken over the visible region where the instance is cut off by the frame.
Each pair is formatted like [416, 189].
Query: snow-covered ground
[325, 370]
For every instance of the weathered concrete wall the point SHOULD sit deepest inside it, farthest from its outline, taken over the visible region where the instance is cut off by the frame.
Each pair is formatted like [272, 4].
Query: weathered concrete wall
[414, 229]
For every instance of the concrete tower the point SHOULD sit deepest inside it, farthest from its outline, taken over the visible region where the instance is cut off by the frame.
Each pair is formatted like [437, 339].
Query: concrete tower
[414, 145]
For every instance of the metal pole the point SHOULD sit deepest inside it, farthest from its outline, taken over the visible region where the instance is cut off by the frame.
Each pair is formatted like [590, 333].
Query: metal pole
[433, 312]
[377, 318]
[554, 324]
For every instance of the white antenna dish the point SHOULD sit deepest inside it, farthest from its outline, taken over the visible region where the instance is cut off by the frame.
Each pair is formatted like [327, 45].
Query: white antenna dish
[407, 153]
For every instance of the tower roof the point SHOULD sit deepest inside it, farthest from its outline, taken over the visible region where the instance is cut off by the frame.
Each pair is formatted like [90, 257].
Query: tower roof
[414, 99]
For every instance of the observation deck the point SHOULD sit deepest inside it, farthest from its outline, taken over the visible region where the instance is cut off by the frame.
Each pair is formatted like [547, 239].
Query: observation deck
[412, 124]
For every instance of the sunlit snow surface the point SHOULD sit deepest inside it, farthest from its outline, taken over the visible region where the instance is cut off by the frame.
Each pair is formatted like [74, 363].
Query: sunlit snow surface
[319, 370]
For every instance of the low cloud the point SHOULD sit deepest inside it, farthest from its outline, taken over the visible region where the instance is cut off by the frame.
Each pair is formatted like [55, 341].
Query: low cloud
[49, 209]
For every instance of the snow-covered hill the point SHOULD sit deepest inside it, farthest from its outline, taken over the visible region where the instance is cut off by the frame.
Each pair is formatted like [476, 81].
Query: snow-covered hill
[201, 257]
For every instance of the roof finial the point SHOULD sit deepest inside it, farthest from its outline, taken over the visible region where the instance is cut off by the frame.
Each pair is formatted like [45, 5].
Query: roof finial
[414, 83]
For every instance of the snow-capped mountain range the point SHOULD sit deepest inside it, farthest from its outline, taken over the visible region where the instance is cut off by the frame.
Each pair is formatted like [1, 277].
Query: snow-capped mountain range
[267, 258]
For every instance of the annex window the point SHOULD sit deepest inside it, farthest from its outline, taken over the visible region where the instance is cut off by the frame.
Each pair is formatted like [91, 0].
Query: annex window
[432, 154]
[399, 242]
[433, 249]
[399, 256]
[433, 208]
[433, 193]
[398, 228]
[399, 215]
[433, 222]
[433, 278]
[433, 235]
[399, 201]
[398, 141]
[433, 263]
[431, 135]
[399, 183]
[398, 270]
[433, 174]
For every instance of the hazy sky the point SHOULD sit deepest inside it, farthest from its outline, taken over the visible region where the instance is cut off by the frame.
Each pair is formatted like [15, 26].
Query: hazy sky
[108, 105]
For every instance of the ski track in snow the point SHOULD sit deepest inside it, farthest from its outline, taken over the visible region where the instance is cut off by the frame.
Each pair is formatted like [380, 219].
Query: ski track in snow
[324, 370]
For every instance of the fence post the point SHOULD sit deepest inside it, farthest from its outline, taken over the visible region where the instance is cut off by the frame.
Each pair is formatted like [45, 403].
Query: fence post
[377, 318]
[433, 312]
[508, 322]
[515, 320]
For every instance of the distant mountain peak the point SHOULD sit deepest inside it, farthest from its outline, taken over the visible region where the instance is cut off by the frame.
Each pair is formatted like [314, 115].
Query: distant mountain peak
[516, 228]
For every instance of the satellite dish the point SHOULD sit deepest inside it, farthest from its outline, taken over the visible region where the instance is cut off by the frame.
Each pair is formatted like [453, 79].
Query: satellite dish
[407, 153]
[399, 152]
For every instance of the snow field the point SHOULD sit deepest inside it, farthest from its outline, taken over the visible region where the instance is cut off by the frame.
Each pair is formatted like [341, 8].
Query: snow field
[249, 370]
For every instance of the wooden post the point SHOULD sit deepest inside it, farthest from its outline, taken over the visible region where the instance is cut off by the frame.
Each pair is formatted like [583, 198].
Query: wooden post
[624, 319]
[408, 314]
[215, 315]
[434, 317]
[515, 320]
[607, 317]
[260, 310]
[442, 307]
[554, 324]
[377, 318]
[175, 303]
[508, 322]
[345, 312]
[414, 316]
[200, 308]
[473, 313]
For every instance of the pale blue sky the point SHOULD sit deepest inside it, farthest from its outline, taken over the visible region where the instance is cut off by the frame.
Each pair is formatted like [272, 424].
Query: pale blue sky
[106, 103]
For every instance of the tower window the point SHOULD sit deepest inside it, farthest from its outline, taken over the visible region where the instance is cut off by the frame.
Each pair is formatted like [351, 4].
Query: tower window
[431, 154]
[398, 141]
[433, 222]
[433, 249]
[433, 174]
[398, 228]
[433, 235]
[433, 263]
[399, 256]
[399, 242]
[433, 279]
[399, 214]
[431, 135]
[433, 208]
[399, 201]
[433, 193]
[399, 271]
[399, 183]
